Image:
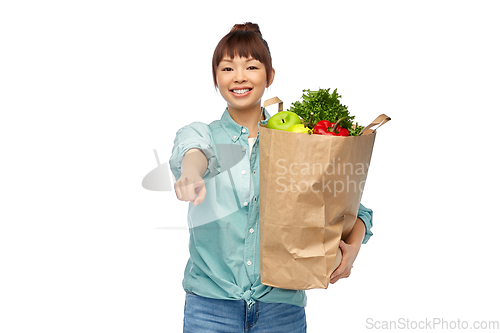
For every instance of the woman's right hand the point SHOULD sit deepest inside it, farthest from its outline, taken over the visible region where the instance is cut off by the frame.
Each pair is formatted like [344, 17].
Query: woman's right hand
[190, 187]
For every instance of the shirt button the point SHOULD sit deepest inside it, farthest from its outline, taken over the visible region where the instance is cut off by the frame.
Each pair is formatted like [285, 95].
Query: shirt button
[243, 172]
[243, 149]
[251, 230]
[244, 130]
[249, 262]
[255, 198]
[254, 172]
[234, 137]
[245, 204]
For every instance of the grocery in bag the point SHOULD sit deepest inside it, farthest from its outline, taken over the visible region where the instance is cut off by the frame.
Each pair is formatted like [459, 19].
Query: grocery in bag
[310, 190]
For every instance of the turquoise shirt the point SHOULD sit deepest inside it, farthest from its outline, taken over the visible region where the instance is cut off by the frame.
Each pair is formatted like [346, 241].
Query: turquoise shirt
[224, 229]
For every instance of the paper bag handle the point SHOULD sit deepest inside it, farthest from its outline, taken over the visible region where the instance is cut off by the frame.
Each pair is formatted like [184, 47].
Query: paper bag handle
[380, 120]
[274, 100]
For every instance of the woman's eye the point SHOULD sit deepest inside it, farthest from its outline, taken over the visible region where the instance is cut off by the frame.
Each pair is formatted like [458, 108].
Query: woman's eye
[252, 67]
[227, 69]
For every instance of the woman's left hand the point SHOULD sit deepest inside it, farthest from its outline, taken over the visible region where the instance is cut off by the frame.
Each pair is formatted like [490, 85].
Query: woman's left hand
[349, 254]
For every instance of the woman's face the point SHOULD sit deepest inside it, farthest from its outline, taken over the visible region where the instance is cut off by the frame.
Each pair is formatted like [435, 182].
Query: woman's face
[241, 82]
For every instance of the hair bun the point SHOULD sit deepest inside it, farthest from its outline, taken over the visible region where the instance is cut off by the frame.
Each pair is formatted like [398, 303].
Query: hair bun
[247, 26]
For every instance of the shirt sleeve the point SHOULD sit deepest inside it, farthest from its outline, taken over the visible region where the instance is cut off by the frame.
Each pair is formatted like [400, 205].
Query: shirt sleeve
[195, 135]
[366, 215]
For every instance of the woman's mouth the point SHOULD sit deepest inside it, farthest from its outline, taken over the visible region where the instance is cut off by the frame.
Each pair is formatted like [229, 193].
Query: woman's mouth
[241, 92]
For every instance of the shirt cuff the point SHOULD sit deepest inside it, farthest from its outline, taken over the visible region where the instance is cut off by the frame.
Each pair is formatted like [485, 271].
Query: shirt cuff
[366, 215]
[196, 135]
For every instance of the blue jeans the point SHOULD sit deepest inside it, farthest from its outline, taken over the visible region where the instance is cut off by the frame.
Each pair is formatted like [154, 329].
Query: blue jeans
[208, 315]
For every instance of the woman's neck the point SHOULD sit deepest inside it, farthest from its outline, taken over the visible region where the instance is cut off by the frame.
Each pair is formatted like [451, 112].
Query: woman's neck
[249, 118]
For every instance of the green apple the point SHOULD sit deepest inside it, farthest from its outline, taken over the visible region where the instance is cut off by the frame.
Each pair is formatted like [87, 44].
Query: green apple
[283, 120]
[299, 128]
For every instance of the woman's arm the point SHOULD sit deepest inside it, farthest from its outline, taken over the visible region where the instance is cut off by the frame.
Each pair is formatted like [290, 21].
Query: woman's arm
[190, 186]
[350, 249]
[357, 234]
[194, 161]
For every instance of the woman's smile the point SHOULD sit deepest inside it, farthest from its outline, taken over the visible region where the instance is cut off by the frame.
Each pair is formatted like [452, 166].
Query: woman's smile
[241, 91]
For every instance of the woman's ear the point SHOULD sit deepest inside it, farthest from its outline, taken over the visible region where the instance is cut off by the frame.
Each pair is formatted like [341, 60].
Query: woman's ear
[272, 79]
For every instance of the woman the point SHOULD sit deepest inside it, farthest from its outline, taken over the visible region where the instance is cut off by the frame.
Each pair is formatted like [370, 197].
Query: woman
[222, 277]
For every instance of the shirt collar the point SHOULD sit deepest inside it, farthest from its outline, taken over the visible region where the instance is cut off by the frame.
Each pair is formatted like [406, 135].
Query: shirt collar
[235, 130]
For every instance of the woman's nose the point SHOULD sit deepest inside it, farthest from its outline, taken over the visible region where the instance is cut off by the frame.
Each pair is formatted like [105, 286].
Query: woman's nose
[239, 77]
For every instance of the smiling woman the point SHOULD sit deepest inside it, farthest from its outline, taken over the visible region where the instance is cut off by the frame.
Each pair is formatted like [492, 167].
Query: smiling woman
[222, 279]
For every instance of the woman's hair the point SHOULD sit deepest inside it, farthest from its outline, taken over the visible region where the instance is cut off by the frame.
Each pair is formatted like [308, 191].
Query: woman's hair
[244, 40]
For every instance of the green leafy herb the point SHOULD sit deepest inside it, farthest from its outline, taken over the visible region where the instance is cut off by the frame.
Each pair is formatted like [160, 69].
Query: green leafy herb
[355, 130]
[322, 105]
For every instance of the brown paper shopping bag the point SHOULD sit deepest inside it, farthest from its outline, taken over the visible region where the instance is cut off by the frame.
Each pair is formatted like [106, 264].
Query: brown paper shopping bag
[310, 190]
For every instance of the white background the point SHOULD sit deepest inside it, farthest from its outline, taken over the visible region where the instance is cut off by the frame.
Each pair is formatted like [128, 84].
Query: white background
[89, 88]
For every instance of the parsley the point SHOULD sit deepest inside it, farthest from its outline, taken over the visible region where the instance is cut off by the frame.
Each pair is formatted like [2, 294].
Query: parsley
[324, 106]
